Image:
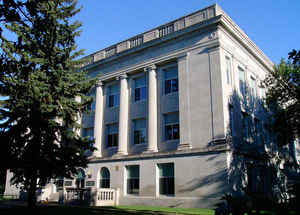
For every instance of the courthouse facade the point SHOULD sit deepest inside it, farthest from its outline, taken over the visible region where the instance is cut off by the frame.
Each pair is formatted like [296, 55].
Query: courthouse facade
[164, 109]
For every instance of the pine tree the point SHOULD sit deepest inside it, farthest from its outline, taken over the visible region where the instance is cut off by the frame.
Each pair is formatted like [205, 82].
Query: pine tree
[45, 95]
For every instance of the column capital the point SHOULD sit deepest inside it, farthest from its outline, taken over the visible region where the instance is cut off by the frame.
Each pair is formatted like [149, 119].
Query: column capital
[183, 56]
[122, 76]
[151, 67]
[99, 83]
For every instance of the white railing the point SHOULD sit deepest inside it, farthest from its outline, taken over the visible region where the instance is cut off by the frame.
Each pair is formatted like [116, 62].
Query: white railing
[107, 197]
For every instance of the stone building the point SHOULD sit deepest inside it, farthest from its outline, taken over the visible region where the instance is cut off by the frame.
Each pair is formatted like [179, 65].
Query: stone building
[163, 109]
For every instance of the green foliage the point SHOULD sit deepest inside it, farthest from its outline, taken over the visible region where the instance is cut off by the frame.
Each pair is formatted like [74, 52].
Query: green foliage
[40, 80]
[283, 97]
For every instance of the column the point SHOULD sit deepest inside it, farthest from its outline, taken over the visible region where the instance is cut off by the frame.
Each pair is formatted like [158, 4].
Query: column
[98, 123]
[123, 116]
[184, 103]
[152, 109]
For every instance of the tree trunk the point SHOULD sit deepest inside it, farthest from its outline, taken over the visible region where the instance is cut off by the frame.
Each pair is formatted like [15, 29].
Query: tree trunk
[31, 203]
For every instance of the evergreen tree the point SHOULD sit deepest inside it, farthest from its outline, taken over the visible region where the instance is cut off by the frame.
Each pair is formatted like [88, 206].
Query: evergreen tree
[45, 95]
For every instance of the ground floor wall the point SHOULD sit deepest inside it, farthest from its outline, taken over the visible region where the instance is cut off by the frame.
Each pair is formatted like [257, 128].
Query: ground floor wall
[199, 179]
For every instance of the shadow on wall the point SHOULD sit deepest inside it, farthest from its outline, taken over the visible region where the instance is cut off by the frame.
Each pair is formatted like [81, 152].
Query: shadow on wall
[248, 144]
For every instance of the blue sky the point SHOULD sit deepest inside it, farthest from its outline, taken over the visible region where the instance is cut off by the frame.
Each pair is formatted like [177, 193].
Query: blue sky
[274, 25]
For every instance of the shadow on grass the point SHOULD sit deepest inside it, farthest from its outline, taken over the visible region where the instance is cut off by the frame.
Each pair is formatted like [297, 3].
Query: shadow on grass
[70, 210]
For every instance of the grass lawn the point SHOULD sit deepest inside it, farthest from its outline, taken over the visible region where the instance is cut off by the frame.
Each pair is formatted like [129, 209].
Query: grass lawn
[170, 210]
[121, 210]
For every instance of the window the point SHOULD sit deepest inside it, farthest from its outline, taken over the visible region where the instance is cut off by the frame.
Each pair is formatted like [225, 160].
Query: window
[59, 183]
[252, 87]
[242, 82]
[246, 126]
[80, 179]
[228, 69]
[171, 80]
[166, 179]
[133, 179]
[88, 132]
[258, 131]
[112, 135]
[92, 93]
[104, 178]
[113, 96]
[140, 89]
[231, 120]
[171, 126]
[139, 131]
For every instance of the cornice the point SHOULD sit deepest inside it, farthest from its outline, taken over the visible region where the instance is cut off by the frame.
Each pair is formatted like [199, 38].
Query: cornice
[156, 155]
[238, 33]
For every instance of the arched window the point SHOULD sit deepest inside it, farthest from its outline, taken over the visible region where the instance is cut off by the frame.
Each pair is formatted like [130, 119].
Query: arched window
[80, 178]
[104, 178]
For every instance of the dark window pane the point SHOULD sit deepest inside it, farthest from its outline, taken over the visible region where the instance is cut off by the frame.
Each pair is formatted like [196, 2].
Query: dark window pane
[167, 86]
[111, 101]
[136, 137]
[133, 185]
[116, 100]
[169, 132]
[143, 91]
[174, 85]
[115, 139]
[104, 183]
[137, 94]
[109, 140]
[176, 131]
[166, 186]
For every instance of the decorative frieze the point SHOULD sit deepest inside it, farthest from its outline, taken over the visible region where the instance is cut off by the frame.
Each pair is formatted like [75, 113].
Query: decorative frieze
[123, 46]
[156, 33]
[211, 12]
[178, 25]
[151, 35]
[99, 56]
[110, 52]
[196, 18]
[136, 41]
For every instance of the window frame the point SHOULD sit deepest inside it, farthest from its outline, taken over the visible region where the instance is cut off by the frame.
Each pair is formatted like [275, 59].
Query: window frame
[114, 136]
[132, 181]
[228, 70]
[164, 181]
[171, 79]
[172, 125]
[104, 180]
[115, 96]
[140, 89]
[242, 86]
[139, 130]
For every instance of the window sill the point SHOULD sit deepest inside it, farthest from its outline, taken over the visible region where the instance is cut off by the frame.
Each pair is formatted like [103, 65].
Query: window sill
[112, 108]
[171, 141]
[140, 101]
[111, 147]
[171, 94]
[166, 196]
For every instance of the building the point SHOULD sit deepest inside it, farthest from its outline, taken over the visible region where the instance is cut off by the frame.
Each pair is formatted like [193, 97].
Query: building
[165, 105]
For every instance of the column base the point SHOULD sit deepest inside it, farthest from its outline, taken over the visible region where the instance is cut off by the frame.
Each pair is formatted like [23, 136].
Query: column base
[150, 151]
[97, 155]
[184, 146]
[120, 154]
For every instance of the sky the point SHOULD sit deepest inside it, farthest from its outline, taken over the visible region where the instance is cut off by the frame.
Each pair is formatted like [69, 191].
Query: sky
[274, 25]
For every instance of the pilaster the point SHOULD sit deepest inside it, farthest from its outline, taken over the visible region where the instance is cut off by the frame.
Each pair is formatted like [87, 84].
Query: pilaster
[184, 103]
